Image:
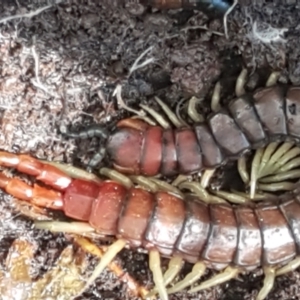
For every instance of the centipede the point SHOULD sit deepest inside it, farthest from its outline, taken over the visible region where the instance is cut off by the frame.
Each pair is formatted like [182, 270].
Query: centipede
[267, 116]
[164, 223]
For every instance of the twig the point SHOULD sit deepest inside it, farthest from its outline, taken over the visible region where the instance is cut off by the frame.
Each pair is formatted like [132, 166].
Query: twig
[30, 14]
[230, 9]
[136, 64]
[37, 82]
[118, 93]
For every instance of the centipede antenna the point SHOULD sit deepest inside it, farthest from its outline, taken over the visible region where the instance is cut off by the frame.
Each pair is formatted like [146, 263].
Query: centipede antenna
[241, 80]
[225, 18]
[196, 273]
[216, 97]
[291, 266]
[192, 111]
[160, 119]
[109, 255]
[268, 283]
[173, 118]
[228, 274]
[155, 267]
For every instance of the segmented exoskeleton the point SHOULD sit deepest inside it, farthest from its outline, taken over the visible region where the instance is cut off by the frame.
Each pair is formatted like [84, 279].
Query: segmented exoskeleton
[176, 225]
[267, 116]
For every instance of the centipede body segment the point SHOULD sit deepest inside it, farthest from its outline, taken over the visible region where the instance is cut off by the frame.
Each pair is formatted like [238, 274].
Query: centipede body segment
[213, 235]
[249, 122]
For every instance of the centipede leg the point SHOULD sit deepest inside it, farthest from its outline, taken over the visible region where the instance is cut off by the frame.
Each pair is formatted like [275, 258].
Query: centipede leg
[154, 264]
[175, 265]
[115, 175]
[268, 283]
[159, 118]
[172, 117]
[197, 189]
[192, 112]
[67, 227]
[107, 258]
[196, 273]
[228, 274]
[273, 78]
[93, 249]
[239, 87]
[291, 266]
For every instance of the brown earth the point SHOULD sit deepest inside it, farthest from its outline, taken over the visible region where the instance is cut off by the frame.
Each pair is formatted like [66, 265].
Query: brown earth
[62, 65]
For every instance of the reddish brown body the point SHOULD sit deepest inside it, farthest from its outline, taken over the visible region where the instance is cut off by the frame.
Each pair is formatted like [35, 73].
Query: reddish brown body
[219, 234]
[249, 122]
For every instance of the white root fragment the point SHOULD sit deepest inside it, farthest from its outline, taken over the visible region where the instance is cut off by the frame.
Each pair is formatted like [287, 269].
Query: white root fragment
[225, 18]
[28, 15]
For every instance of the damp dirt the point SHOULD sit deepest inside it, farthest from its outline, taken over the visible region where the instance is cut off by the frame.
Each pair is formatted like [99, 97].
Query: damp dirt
[61, 61]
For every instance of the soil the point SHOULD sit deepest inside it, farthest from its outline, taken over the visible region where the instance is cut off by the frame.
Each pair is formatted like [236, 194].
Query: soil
[62, 65]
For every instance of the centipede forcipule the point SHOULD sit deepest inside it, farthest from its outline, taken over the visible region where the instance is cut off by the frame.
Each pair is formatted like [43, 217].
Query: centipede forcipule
[180, 226]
